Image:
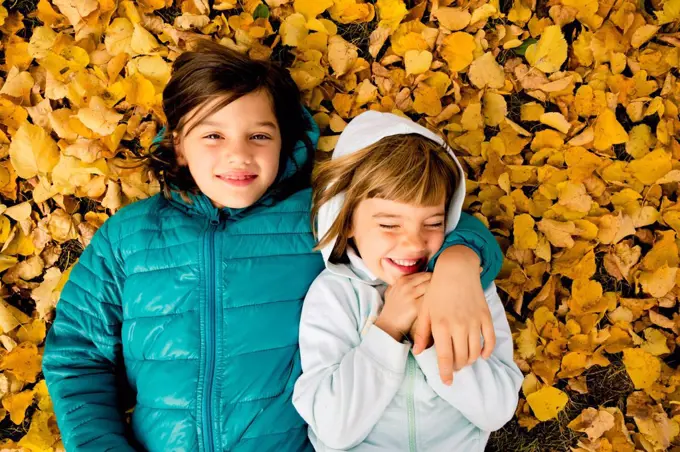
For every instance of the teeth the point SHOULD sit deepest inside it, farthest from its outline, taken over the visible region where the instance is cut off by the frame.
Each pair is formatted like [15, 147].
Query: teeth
[406, 262]
[238, 177]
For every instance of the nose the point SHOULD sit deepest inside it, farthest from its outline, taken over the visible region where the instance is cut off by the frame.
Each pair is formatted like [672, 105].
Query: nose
[237, 153]
[414, 241]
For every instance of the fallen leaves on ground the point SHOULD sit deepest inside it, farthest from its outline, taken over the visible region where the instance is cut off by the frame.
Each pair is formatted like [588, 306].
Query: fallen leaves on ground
[564, 114]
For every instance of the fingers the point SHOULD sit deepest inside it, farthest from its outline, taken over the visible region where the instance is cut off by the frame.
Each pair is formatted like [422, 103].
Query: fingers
[474, 345]
[414, 279]
[489, 337]
[444, 347]
[422, 331]
[460, 347]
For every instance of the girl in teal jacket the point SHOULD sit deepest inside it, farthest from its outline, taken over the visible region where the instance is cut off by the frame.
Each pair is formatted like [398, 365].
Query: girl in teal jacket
[189, 301]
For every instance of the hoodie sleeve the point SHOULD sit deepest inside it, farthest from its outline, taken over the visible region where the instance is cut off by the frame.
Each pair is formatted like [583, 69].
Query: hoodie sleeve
[347, 381]
[81, 352]
[472, 233]
[485, 392]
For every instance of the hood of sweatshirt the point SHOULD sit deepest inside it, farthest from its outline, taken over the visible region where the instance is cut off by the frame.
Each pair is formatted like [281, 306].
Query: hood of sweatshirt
[363, 131]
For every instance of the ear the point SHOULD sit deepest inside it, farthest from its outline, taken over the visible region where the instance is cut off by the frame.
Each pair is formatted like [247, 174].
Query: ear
[179, 149]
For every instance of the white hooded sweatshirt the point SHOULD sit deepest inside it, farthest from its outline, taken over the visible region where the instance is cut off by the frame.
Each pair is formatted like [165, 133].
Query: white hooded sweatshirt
[360, 389]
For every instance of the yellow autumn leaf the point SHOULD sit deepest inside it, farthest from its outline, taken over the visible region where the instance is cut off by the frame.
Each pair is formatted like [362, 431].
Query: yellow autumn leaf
[547, 402]
[142, 41]
[643, 34]
[427, 100]
[47, 293]
[341, 55]
[417, 61]
[41, 434]
[33, 151]
[293, 30]
[655, 343]
[391, 13]
[640, 140]
[651, 167]
[494, 109]
[608, 131]
[18, 84]
[642, 367]
[19, 212]
[311, 8]
[452, 18]
[118, 37]
[613, 228]
[659, 282]
[586, 297]
[558, 233]
[98, 117]
[16, 405]
[593, 422]
[42, 396]
[10, 317]
[483, 12]
[485, 72]
[457, 49]
[573, 364]
[556, 121]
[472, 117]
[549, 52]
[3, 15]
[33, 332]
[523, 228]
[23, 361]
[348, 11]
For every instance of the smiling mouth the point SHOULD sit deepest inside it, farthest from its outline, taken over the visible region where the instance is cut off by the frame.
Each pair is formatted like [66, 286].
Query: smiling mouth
[408, 266]
[238, 180]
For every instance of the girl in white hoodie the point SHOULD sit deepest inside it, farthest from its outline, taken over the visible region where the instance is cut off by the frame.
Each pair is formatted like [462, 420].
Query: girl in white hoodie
[383, 205]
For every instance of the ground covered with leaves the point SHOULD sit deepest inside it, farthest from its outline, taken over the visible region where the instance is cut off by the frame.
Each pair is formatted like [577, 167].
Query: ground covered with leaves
[563, 111]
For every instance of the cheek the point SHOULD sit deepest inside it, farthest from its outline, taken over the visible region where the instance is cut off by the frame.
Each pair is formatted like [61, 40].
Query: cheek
[436, 241]
[383, 242]
[269, 161]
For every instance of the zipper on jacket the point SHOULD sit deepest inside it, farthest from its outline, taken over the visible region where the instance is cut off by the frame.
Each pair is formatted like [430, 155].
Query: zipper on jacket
[209, 375]
[410, 402]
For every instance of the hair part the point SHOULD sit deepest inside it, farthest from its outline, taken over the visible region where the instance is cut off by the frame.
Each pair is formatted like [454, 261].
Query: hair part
[206, 80]
[408, 168]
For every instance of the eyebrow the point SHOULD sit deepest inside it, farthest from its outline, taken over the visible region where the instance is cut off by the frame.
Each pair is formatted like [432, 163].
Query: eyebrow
[391, 215]
[217, 124]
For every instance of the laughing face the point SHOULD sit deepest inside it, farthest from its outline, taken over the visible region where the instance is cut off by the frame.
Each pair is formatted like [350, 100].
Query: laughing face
[233, 154]
[396, 239]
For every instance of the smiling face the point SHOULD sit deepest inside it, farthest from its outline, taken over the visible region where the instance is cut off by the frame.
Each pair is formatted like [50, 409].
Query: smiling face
[396, 239]
[233, 154]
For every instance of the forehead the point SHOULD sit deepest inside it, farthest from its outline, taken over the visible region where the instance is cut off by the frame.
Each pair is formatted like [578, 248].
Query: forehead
[253, 107]
[378, 206]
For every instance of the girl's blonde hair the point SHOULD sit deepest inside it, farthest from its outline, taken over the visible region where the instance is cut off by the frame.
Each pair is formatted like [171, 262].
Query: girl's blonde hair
[405, 168]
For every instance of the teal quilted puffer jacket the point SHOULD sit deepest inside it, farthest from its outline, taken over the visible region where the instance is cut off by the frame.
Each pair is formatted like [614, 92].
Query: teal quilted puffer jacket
[196, 310]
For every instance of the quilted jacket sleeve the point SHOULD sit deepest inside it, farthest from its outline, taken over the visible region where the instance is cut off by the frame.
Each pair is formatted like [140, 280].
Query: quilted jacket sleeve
[82, 349]
[473, 234]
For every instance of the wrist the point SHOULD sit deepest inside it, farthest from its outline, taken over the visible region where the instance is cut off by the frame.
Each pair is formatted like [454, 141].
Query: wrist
[389, 328]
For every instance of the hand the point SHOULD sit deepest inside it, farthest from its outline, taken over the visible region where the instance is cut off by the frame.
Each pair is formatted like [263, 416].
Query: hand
[402, 302]
[454, 312]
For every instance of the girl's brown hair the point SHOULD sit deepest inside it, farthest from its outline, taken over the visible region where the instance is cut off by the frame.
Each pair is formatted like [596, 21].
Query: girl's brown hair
[211, 72]
[406, 168]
